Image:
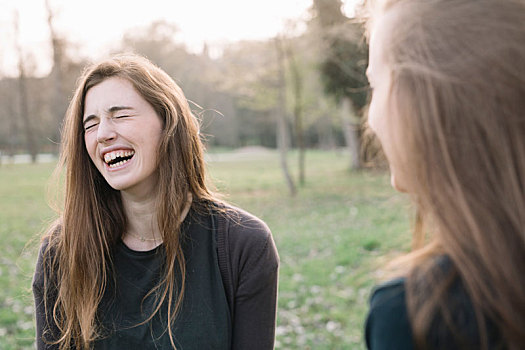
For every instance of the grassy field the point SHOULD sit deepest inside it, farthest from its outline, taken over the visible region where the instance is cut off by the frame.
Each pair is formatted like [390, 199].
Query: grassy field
[333, 239]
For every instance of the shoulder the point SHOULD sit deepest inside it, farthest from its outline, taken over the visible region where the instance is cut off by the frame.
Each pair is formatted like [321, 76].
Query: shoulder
[389, 294]
[45, 254]
[387, 325]
[243, 225]
[46, 257]
[247, 238]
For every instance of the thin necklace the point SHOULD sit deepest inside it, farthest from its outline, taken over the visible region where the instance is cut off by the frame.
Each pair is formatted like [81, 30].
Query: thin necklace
[142, 238]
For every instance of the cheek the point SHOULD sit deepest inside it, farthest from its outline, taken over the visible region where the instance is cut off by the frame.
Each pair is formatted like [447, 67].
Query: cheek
[372, 116]
[154, 149]
[90, 144]
[380, 118]
[377, 115]
[153, 140]
[376, 123]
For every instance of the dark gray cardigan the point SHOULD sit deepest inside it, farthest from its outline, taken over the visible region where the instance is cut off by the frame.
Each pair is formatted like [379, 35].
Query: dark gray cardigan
[248, 262]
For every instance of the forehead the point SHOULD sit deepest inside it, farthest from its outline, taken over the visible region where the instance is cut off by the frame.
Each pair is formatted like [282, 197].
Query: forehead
[380, 39]
[112, 91]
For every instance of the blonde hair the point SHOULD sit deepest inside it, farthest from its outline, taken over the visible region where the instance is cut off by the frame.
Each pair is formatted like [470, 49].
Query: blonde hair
[458, 96]
[78, 256]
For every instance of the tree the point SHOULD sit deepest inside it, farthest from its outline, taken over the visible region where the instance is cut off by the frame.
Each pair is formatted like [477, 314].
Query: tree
[196, 74]
[343, 69]
[297, 87]
[58, 98]
[9, 135]
[282, 130]
[23, 96]
[247, 71]
[320, 127]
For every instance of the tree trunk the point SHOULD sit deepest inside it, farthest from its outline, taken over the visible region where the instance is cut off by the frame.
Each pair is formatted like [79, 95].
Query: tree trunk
[282, 132]
[24, 114]
[325, 130]
[298, 112]
[24, 102]
[351, 132]
[58, 101]
[13, 124]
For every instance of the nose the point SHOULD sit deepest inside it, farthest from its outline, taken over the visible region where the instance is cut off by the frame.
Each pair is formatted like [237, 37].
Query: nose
[106, 131]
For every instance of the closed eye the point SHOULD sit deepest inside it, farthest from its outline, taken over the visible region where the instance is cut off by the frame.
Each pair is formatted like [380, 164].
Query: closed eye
[89, 122]
[121, 116]
[87, 127]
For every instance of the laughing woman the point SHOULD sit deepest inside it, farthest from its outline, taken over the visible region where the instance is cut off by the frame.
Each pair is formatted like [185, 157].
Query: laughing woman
[143, 255]
[448, 106]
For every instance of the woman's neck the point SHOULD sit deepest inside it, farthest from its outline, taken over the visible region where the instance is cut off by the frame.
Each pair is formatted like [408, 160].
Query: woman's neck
[142, 230]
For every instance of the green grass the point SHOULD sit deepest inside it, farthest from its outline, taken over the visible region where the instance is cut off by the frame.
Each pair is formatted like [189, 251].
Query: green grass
[333, 238]
[23, 215]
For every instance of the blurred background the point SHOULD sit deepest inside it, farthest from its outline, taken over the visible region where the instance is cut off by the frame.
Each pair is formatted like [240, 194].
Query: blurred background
[280, 90]
[257, 72]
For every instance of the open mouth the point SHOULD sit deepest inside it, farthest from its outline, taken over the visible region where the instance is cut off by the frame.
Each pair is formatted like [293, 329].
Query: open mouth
[117, 158]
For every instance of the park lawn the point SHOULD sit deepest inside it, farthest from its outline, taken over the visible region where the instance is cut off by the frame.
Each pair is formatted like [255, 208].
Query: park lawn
[333, 237]
[23, 215]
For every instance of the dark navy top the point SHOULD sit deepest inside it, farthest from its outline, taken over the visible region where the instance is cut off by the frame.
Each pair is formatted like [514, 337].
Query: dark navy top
[388, 326]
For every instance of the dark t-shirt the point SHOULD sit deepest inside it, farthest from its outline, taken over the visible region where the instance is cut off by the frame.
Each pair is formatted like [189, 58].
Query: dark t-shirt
[204, 319]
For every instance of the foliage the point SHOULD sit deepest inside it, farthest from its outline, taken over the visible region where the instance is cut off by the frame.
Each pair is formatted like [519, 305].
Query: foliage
[344, 70]
[332, 238]
[346, 55]
[233, 92]
[343, 66]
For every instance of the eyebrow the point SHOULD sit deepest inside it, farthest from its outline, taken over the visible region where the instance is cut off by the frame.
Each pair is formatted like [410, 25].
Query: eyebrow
[111, 110]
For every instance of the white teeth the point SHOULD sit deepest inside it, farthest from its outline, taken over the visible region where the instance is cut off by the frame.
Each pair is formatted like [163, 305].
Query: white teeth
[118, 163]
[108, 157]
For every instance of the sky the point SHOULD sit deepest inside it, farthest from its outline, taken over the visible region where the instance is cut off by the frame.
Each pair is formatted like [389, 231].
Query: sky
[95, 26]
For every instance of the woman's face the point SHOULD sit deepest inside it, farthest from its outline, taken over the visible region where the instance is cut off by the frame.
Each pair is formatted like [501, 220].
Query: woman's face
[122, 135]
[381, 116]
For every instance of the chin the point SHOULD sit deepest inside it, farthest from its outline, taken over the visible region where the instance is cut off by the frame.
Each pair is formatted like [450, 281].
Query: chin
[118, 183]
[396, 185]
[116, 186]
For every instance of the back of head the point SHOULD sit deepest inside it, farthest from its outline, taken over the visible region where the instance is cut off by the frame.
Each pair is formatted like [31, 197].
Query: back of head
[458, 92]
[458, 70]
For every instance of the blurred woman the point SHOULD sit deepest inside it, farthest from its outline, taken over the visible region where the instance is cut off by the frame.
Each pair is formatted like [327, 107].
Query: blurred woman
[448, 105]
[144, 256]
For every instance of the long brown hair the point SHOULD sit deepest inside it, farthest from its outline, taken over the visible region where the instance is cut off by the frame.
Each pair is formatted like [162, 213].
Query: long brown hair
[458, 101]
[78, 257]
